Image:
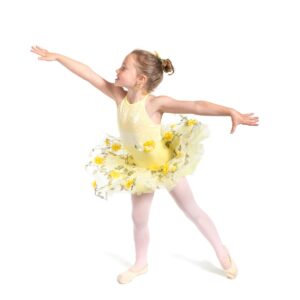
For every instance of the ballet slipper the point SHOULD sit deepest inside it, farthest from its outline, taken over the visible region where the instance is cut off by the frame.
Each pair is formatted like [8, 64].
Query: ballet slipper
[127, 276]
[231, 271]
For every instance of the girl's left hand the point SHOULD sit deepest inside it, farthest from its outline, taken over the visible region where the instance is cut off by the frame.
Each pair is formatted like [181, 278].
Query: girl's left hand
[245, 119]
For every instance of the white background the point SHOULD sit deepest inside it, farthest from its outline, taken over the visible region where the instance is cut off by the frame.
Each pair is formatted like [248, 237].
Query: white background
[60, 241]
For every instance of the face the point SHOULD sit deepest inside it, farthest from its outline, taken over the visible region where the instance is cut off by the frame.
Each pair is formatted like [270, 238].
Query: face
[127, 75]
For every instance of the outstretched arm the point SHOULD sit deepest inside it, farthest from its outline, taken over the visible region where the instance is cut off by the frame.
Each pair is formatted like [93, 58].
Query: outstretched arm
[205, 108]
[82, 71]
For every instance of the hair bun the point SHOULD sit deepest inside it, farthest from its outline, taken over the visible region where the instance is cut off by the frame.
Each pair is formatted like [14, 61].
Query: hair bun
[167, 66]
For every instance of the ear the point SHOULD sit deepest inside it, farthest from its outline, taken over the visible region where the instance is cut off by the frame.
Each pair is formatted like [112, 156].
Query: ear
[142, 79]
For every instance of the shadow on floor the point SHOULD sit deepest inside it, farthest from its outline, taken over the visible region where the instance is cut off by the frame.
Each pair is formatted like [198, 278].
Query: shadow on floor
[122, 261]
[204, 264]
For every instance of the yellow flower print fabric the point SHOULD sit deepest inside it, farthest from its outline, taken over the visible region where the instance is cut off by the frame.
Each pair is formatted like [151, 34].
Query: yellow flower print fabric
[117, 166]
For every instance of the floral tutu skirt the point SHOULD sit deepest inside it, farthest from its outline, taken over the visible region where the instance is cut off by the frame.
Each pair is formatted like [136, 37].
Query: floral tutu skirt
[113, 168]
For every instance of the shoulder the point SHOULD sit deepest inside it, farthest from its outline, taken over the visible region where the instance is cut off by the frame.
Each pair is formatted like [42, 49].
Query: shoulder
[158, 101]
[155, 102]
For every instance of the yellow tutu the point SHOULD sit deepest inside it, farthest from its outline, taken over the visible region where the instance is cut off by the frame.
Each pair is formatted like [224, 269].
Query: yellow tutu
[114, 169]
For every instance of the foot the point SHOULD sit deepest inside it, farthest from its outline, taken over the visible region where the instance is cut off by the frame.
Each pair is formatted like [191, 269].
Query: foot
[131, 273]
[229, 266]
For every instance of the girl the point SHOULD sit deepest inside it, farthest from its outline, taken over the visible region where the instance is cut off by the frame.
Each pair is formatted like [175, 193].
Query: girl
[150, 155]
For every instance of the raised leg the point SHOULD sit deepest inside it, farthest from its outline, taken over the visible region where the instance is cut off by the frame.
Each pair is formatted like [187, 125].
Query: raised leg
[184, 198]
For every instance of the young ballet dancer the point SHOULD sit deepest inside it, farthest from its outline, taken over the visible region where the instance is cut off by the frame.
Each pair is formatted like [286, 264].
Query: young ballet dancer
[149, 155]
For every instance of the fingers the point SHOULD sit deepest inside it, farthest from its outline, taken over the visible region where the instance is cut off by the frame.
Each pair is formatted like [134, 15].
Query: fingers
[253, 119]
[250, 119]
[35, 50]
[249, 116]
[251, 122]
[38, 50]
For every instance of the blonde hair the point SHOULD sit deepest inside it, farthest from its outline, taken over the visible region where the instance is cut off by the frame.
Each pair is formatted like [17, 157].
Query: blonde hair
[152, 66]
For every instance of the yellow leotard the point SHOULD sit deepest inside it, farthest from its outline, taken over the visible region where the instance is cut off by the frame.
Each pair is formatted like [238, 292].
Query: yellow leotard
[141, 137]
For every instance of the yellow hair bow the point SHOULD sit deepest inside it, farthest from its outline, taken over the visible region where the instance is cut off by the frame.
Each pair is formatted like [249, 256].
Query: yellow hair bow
[157, 55]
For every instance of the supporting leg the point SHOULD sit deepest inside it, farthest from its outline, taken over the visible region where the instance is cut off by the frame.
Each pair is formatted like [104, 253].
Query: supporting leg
[140, 214]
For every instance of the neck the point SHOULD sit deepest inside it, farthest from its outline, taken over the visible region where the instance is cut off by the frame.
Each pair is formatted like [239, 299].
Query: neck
[135, 95]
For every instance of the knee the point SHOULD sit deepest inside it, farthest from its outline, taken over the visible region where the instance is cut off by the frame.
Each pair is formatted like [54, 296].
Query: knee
[139, 221]
[193, 213]
[190, 215]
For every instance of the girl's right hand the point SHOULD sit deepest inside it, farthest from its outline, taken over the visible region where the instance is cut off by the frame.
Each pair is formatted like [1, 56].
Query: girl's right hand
[44, 54]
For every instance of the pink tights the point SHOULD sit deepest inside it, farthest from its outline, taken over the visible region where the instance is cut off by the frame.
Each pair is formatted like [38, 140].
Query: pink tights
[184, 198]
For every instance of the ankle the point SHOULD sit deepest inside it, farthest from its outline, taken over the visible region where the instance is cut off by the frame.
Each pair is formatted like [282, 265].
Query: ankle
[224, 258]
[138, 266]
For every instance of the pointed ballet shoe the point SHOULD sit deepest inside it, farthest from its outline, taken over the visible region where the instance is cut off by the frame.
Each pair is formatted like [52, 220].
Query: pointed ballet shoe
[232, 271]
[127, 276]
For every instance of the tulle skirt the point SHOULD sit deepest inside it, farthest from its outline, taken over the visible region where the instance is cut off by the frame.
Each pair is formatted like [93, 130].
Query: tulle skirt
[113, 168]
